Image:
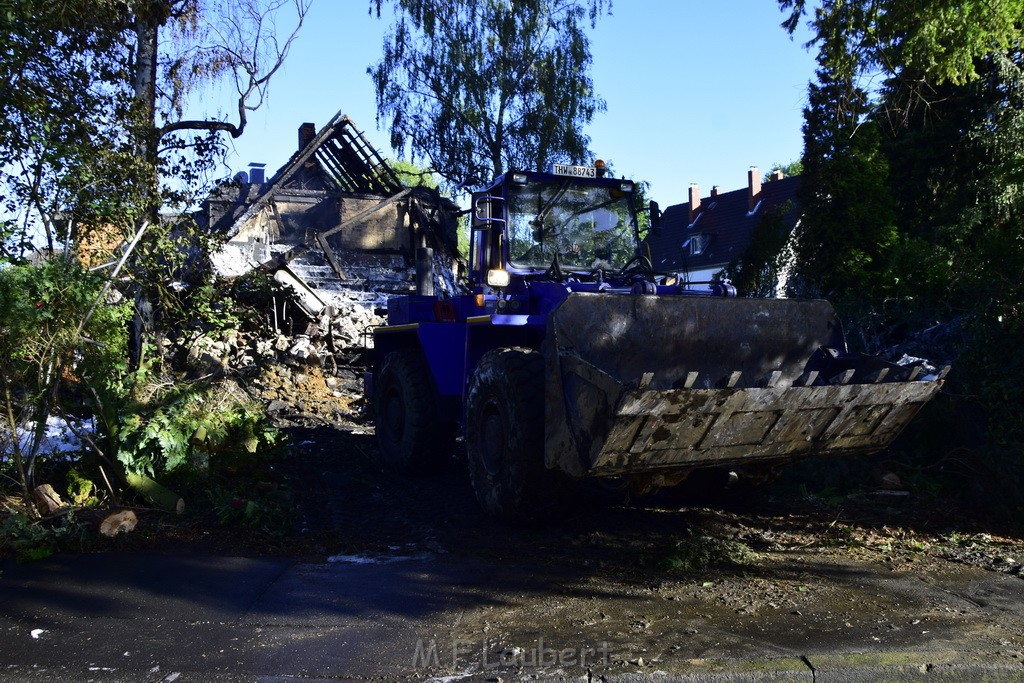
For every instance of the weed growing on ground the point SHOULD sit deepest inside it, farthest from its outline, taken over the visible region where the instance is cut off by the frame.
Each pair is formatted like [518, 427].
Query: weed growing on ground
[270, 511]
[697, 551]
[36, 539]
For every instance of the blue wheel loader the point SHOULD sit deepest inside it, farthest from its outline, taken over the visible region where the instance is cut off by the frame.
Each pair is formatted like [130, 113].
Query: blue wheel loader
[569, 357]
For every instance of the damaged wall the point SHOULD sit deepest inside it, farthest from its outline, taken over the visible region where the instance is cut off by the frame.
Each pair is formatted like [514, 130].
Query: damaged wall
[387, 229]
[288, 221]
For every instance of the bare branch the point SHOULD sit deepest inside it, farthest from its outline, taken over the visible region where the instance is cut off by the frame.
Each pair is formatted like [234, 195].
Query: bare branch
[206, 124]
[243, 48]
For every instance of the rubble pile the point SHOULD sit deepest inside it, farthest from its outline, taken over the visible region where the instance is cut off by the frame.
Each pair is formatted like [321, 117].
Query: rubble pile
[337, 231]
[351, 322]
[309, 395]
[312, 377]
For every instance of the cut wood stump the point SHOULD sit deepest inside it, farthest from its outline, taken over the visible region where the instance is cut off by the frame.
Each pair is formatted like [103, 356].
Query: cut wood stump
[119, 522]
[47, 500]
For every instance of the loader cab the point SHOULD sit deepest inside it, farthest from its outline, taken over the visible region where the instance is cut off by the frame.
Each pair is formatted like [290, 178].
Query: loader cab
[570, 222]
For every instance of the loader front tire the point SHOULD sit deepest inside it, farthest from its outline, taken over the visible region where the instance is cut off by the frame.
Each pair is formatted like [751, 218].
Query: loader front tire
[410, 436]
[505, 438]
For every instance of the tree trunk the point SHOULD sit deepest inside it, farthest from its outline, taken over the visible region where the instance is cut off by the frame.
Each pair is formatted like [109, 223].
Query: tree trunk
[147, 26]
[12, 425]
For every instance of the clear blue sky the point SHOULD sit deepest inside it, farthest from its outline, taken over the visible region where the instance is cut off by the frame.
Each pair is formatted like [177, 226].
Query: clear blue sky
[697, 92]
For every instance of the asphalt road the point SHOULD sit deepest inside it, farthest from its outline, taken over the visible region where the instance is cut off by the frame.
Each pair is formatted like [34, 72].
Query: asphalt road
[420, 586]
[422, 615]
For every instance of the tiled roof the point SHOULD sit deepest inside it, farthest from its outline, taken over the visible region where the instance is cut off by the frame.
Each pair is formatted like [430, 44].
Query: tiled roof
[726, 222]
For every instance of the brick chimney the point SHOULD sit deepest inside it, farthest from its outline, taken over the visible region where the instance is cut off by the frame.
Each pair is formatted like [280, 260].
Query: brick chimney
[778, 174]
[753, 188]
[715, 191]
[307, 132]
[257, 173]
[694, 202]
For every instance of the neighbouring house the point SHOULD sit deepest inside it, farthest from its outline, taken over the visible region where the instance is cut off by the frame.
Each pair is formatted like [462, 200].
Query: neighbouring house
[336, 223]
[708, 236]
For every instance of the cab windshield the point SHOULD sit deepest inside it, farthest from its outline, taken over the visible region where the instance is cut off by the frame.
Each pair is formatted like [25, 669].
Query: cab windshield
[587, 227]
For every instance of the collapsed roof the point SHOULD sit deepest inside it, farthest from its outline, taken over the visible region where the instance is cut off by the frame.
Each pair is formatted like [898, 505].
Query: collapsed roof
[337, 216]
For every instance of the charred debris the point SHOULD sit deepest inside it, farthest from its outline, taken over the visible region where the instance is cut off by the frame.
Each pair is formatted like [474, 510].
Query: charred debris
[336, 232]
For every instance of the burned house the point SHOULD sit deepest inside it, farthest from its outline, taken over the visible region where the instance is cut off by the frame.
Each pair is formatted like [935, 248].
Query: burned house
[337, 225]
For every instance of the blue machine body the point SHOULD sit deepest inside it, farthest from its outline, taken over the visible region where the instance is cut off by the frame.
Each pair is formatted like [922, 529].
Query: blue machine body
[455, 332]
[644, 373]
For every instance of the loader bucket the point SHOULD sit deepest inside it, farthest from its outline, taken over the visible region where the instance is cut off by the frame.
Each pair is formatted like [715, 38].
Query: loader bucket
[649, 384]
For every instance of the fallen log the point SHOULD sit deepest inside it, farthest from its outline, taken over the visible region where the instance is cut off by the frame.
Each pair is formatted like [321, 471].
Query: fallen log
[159, 496]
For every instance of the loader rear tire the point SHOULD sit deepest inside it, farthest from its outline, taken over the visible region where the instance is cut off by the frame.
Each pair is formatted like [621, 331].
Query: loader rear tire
[505, 438]
[410, 436]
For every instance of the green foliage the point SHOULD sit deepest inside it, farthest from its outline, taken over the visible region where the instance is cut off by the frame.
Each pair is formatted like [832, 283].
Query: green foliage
[941, 40]
[57, 90]
[93, 146]
[413, 175]
[848, 228]
[212, 311]
[81, 490]
[829, 496]
[914, 207]
[53, 348]
[91, 138]
[42, 309]
[481, 87]
[961, 193]
[266, 513]
[641, 202]
[757, 272]
[181, 425]
[789, 170]
[34, 540]
[463, 231]
[147, 420]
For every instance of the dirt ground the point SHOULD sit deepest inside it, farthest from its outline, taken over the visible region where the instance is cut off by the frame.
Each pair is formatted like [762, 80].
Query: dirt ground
[346, 503]
[662, 576]
[787, 582]
[332, 469]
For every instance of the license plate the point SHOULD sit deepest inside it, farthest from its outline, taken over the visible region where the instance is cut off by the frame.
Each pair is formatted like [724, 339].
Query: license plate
[574, 171]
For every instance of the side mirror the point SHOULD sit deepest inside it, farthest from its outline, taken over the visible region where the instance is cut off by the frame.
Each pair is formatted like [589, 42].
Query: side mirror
[484, 209]
[655, 212]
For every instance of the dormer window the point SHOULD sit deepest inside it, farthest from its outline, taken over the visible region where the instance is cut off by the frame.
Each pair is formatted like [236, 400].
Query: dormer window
[698, 243]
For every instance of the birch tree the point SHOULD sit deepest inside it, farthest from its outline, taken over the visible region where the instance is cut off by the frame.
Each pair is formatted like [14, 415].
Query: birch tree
[476, 87]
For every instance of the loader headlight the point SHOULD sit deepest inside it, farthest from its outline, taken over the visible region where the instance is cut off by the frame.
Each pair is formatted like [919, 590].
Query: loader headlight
[497, 277]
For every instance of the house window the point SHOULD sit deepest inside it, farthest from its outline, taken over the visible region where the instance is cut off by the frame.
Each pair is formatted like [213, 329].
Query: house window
[698, 243]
